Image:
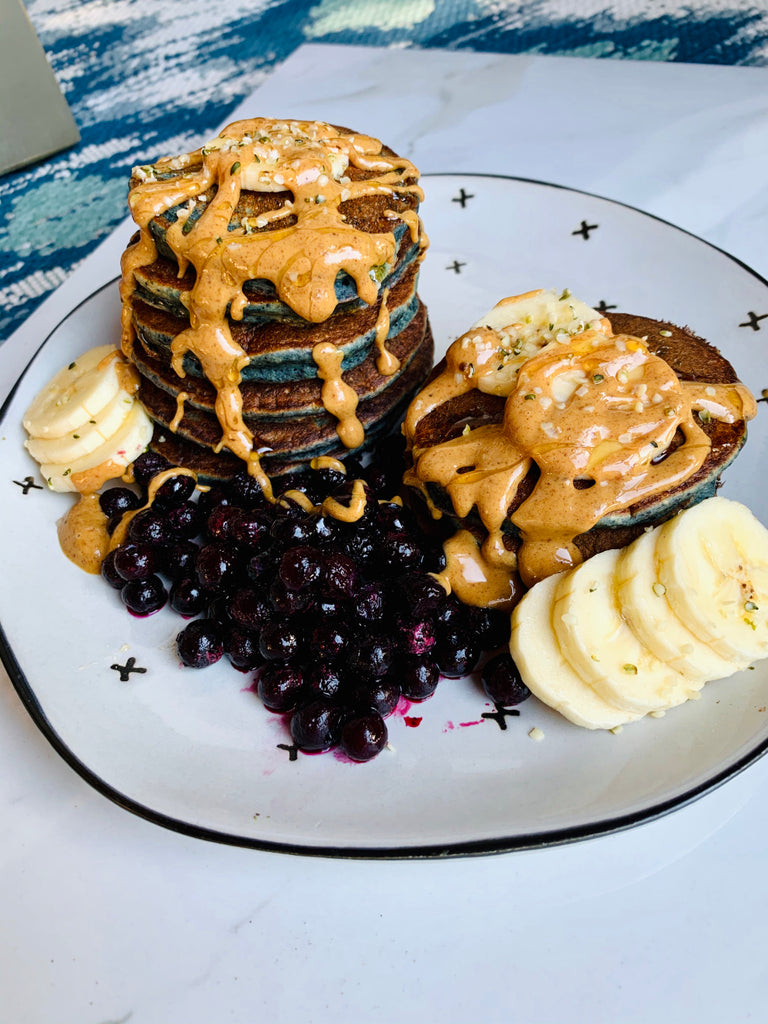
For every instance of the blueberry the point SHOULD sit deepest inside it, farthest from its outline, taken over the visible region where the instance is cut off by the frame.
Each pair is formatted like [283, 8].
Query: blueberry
[456, 653]
[421, 595]
[174, 491]
[116, 501]
[251, 529]
[145, 596]
[393, 518]
[136, 561]
[316, 726]
[324, 680]
[241, 646]
[212, 498]
[370, 658]
[246, 490]
[260, 568]
[491, 626]
[188, 598]
[339, 576]
[397, 553]
[381, 695]
[217, 565]
[221, 522]
[416, 637]
[147, 465]
[370, 604]
[149, 527]
[280, 687]
[419, 676]
[357, 544]
[291, 527]
[279, 641]
[502, 682]
[363, 737]
[287, 601]
[300, 567]
[184, 520]
[249, 609]
[110, 573]
[200, 643]
[180, 559]
[328, 640]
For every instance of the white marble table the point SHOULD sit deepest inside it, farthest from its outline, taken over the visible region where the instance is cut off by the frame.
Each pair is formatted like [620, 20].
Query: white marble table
[108, 918]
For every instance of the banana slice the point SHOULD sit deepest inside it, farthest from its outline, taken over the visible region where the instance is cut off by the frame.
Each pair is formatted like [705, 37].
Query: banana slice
[642, 598]
[599, 645]
[525, 323]
[106, 461]
[547, 674]
[713, 562]
[86, 438]
[75, 395]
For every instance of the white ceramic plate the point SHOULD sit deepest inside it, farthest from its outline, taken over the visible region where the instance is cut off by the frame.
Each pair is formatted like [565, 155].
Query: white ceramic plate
[196, 751]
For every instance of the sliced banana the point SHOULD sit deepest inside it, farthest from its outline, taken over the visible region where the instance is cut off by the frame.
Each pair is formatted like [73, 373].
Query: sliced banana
[75, 395]
[113, 456]
[84, 439]
[599, 645]
[526, 323]
[713, 562]
[547, 674]
[642, 598]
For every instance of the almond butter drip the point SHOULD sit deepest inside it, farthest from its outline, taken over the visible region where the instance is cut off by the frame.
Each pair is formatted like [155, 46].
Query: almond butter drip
[328, 462]
[83, 535]
[307, 159]
[386, 363]
[594, 411]
[181, 398]
[120, 532]
[337, 396]
[474, 578]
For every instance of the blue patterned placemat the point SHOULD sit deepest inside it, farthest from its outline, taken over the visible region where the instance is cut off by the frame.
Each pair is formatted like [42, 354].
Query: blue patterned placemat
[143, 76]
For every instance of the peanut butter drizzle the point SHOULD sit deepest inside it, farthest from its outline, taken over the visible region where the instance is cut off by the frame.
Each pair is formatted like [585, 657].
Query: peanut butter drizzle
[328, 462]
[347, 513]
[386, 363]
[337, 396]
[305, 158]
[474, 578]
[120, 532]
[181, 398]
[88, 481]
[595, 411]
[83, 535]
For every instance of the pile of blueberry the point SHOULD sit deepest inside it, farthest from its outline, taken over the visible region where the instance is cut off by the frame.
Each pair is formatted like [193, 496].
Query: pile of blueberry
[336, 620]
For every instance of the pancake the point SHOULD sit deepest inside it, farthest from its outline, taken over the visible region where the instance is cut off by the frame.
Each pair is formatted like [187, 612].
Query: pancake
[454, 428]
[285, 444]
[281, 351]
[270, 300]
[269, 402]
[160, 285]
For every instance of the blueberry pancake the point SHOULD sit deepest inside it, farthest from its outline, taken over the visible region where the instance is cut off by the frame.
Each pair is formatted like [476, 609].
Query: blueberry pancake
[270, 298]
[550, 432]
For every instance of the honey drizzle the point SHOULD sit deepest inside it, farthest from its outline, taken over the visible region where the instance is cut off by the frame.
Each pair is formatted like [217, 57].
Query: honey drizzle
[305, 159]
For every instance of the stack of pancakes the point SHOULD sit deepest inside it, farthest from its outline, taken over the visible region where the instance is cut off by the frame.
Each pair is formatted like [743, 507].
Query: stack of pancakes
[270, 298]
[471, 466]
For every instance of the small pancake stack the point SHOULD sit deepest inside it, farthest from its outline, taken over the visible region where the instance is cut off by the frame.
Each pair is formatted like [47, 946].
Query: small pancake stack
[270, 297]
[550, 433]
